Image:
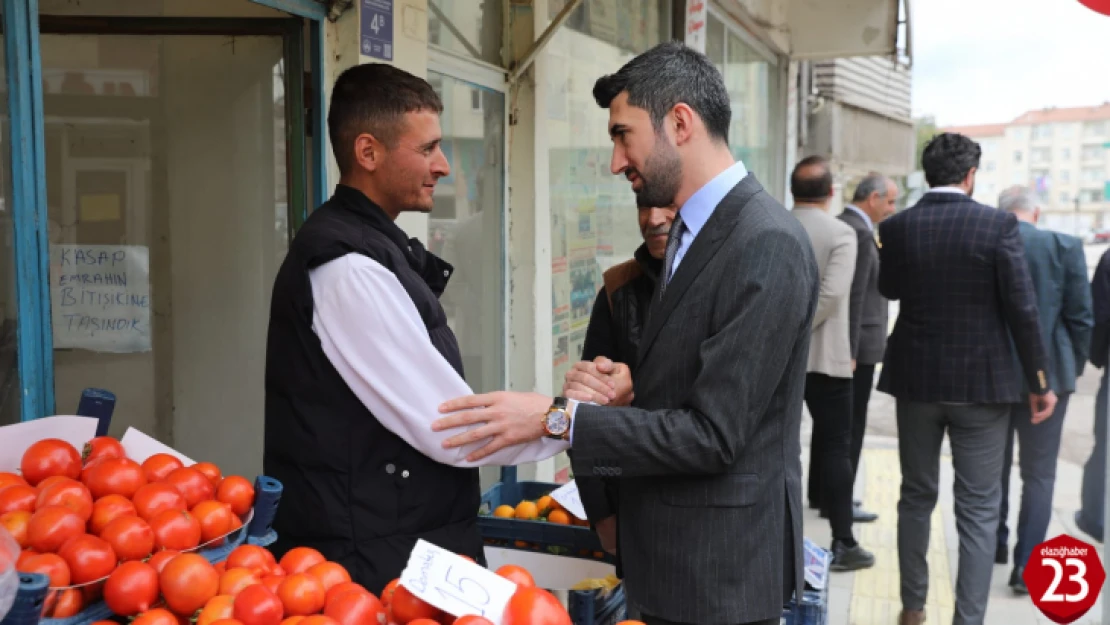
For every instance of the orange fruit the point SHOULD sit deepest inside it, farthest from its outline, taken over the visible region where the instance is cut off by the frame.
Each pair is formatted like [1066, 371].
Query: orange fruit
[558, 516]
[544, 503]
[527, 510]
[504, 512]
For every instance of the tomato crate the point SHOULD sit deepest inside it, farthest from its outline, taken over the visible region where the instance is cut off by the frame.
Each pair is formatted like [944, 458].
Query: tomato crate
[594, 607]
[562, 540]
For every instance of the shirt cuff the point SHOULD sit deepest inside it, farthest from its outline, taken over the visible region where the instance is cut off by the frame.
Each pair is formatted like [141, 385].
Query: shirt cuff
[573, 409]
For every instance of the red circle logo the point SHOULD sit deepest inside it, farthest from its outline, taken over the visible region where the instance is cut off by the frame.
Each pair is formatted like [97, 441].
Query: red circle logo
[1064, 576]
[1100, 6]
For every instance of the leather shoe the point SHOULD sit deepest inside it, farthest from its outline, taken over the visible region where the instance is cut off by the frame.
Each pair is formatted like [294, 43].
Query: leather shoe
[859, 515]
[847, 558]
[1001, 554]
[1017, 584]
[911, 617]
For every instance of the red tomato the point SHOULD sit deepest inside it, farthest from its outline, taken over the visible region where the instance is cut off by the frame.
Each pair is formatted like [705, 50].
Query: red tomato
[131, 589]
[300, 559]
[188, 582]
[50, 457]
[329, 574]
[69, 602]
[17, 497]
[175, 529]
[293, 620]
[104, 623]
[158, 466]
[102, 448]
[48, 564]
[258, 606]
[214, 518]
[252, 557]
[162, 558]
[228, 621]
[424, 621]
[156, 617]
[67, 493]
[342, 589]
[16, 523]
[358, 608]
[301, 594]
[406, 607]
[316, 619]
[273, 582]
[218, 608]
[535, 606]
[11, 479]
[130, 537]
[472, 619]
[233, 581]
[51, 526]
[155, 498]
[517, 575]
[89, 558]
[210, 471]
[387, 592]
[192, 484]
[108, 509]
[114, 476]
[238, 493]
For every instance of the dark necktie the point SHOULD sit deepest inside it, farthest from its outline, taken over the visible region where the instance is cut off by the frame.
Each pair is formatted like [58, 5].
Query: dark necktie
[673, 241]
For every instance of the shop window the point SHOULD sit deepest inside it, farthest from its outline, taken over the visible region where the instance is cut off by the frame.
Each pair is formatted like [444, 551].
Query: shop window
[468, 27]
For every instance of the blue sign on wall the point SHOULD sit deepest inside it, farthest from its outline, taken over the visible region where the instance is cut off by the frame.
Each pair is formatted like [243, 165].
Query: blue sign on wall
[376, 29]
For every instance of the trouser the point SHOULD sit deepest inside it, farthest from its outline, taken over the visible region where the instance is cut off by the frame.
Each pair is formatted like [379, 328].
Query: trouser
[862, 383]
[829, 401]
[977, 435]
[1093, 491]
[1040, 448]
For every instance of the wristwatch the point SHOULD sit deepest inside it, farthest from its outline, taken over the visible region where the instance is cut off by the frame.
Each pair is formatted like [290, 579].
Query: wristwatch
[556, 421]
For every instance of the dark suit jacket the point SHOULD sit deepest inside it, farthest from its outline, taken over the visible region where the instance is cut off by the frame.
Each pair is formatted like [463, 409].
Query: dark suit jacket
[1100, 296]
[959, 269]
[868, 310]
[708, 457]
[1058, 267]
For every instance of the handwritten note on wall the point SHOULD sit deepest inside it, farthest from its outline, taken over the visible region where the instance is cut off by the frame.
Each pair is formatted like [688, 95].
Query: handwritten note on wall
[100, 297]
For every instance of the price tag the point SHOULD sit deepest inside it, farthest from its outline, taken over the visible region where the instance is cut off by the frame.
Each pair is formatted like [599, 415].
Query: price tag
[1064, 576]
[567, 496]
[455, 585]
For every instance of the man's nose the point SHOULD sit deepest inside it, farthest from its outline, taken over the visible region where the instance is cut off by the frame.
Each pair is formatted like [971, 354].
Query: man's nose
[619, 163]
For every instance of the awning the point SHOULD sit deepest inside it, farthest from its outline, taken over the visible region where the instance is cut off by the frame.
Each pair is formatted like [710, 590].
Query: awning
[824, 29]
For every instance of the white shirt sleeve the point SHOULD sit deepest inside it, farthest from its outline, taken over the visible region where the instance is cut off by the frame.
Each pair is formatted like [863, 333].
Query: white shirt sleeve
[373, 335]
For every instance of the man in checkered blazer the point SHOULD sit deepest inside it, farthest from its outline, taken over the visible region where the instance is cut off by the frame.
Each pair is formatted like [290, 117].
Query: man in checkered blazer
[957, 268]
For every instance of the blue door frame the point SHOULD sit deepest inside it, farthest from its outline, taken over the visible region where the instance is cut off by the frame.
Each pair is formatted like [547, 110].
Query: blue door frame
[35, 341]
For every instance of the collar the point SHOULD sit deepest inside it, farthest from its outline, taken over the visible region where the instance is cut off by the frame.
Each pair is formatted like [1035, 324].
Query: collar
[955, 190]
[650, 265]
[859, 211]
[697, 210]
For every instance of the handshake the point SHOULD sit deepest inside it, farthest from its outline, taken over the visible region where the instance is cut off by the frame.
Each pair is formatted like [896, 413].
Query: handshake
[601, 381]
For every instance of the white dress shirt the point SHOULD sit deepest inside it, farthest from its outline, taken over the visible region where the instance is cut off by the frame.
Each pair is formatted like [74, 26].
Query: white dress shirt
[373, 335]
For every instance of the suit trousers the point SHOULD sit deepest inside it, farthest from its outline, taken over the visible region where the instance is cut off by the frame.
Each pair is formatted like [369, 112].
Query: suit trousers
[862, 383]
[829, 401]
[1040, 447]
[1093, 491]
[977, 436]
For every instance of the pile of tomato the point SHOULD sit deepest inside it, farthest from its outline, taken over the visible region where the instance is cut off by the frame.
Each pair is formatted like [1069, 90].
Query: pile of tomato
[80, 516]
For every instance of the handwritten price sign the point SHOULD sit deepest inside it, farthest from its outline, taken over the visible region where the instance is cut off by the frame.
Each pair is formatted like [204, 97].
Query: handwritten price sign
[455, 585]
[1064, 577]
[568, 496]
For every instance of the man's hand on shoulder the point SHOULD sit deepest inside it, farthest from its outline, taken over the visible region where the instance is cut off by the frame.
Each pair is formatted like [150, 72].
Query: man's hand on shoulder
[602, 382]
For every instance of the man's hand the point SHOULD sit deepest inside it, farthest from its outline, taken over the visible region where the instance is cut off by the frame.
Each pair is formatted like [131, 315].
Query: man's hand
[853, 365]
[505, 418]
[607, 531]
[1042, 406]
[602, 382]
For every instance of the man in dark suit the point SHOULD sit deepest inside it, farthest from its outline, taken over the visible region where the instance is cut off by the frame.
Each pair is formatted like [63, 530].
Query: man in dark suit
[958, 268]
[1089, 519]
[708, 454]
[1058, 266]
[873, 201]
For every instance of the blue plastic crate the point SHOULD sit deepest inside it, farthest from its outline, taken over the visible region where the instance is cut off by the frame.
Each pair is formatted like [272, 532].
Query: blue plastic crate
[28, 600]
[589, 607]
[814, 608]
[564, 540]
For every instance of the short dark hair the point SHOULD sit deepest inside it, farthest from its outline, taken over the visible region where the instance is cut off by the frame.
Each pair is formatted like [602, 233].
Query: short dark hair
[666, 75]
[811, 180]
[948, 157]
[373, 98]
[871, 183]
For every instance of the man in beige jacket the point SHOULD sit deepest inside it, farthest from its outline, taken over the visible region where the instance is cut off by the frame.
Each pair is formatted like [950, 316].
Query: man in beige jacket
[828, 392]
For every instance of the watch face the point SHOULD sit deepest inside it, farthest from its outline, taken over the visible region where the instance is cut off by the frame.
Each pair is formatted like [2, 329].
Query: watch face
[557, 422]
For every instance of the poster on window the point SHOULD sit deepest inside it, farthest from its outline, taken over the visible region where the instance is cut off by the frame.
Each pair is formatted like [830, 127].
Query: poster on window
[100, 297]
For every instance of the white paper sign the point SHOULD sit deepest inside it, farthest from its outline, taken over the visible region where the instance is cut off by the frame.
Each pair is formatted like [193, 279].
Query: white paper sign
[817, 562]
[455, 585]
[100, 297]
[139, 447]
[567, 495]
[696, 16]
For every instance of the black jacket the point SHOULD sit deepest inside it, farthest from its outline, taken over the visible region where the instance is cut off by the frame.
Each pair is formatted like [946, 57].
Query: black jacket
[354, 490]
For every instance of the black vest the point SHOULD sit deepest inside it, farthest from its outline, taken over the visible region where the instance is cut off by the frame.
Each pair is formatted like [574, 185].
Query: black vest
[631, 287]
[354, 490]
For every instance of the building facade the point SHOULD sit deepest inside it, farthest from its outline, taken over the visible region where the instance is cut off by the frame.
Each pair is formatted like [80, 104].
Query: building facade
[1061, 153]
[158, 155]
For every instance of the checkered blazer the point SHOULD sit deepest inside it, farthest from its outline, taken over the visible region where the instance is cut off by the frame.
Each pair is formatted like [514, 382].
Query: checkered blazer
[958, 269]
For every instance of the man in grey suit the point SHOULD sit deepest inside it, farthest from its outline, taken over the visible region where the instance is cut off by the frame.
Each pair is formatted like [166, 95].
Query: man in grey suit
[829, 374]
[1058, 267]
[708, 455]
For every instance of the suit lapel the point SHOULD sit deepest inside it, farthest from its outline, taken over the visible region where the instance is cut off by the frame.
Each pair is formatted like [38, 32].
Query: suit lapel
[704, 247]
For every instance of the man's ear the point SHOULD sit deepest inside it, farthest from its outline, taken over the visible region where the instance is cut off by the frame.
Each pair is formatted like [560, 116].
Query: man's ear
[682, 119]
[368, 152]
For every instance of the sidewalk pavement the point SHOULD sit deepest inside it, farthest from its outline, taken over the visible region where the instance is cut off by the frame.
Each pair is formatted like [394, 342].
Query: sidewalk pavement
[871, 596]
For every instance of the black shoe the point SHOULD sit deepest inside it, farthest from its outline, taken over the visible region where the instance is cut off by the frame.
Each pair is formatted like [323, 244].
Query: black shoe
[847, 558]
[859, 515]
[1087, 528]
[1017, 584]
[1001, 555]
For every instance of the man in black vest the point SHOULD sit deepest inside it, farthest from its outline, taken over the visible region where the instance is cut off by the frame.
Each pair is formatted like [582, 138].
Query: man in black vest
[359, 354]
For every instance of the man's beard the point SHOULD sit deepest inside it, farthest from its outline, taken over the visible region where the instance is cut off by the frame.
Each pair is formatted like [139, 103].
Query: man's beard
[661, 177]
